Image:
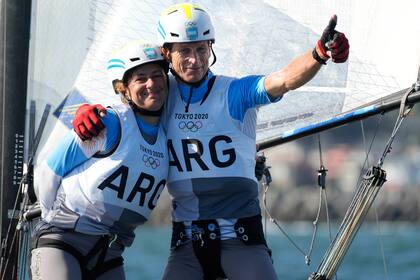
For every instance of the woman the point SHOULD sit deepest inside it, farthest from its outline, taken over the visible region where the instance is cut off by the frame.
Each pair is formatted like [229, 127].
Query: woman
[95, 193]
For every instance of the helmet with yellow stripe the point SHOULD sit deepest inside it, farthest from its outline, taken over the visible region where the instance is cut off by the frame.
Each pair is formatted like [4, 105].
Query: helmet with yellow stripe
[185, 22]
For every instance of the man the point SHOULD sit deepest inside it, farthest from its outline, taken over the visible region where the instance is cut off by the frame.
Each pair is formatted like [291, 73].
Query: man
[210, 122]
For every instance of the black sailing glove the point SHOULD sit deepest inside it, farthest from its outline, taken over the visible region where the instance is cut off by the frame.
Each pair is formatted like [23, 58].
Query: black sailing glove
[332, 44]
[260, 167]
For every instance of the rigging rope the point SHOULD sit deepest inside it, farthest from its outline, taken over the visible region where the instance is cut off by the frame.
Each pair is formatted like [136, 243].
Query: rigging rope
[5, 259]
[266, 180]
[23, 229]
[381, 244]
[367, 151]
[266, 186]
[366, 193]
[21, 234]
[322, 172]
[362, 201]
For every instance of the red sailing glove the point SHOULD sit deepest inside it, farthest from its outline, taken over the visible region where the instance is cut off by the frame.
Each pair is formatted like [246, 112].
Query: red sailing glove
[333, 44]
[87, 122]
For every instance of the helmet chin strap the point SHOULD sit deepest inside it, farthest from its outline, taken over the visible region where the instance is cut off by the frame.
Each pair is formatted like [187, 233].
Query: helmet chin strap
[145, 112]
[214, 55]
[149, 113]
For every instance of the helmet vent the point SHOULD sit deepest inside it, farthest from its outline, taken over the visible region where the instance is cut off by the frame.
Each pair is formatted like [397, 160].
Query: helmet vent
[134, 59]
[206, 32]
[174, 35]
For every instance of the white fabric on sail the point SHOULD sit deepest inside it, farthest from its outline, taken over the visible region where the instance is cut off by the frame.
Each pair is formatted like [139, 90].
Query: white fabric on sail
[71, 42]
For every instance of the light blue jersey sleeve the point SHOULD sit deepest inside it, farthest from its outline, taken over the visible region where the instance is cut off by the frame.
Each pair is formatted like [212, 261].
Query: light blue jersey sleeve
[245, 93]
[70, 152]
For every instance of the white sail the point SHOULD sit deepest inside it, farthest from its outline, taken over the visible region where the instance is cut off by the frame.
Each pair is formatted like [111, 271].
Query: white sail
[71, 41]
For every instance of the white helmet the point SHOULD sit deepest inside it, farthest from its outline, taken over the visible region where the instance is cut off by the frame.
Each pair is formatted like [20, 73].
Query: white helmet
[185, 22]
[133, 54]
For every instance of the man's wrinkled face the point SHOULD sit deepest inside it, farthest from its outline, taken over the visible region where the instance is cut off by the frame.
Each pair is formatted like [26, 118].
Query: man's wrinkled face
[190, 60]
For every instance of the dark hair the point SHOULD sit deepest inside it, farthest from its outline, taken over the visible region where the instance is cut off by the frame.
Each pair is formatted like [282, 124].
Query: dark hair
[128, 74]
[168, 46]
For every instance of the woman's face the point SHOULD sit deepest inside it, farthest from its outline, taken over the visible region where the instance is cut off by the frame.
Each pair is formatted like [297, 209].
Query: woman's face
[147, 87]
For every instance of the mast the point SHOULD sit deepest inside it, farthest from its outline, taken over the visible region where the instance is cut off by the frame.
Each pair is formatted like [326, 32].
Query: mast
[15, 18]
[358, 114]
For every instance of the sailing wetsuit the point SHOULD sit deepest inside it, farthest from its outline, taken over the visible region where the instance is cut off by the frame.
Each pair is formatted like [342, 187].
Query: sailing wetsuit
[211, 132]
[104, 187]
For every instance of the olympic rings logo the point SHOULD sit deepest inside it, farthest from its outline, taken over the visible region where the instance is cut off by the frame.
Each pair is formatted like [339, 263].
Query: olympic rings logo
[190, 126]
[190, 23]
[151, 161]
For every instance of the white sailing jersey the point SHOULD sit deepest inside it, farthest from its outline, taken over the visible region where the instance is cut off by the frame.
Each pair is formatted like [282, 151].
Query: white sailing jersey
[115, 193]
[212, 159]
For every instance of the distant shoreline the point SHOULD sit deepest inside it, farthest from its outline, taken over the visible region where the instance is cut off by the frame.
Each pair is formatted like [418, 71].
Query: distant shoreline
[301, 204]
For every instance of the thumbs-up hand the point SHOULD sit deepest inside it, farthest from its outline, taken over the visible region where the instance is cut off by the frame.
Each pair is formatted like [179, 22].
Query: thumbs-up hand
[332, 44]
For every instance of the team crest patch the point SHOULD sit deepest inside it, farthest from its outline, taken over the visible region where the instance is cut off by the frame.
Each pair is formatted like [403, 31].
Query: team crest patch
[150, 53]
[192, 32]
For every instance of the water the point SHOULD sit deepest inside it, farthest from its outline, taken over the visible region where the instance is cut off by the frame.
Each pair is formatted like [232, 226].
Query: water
[147, 257]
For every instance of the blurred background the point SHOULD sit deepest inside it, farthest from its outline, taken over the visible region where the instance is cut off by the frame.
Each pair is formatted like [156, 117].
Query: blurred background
[294, 192]
[69, 42]
[387, 244]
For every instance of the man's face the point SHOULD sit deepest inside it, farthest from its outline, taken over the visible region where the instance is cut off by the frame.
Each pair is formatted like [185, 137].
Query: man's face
[190, 60]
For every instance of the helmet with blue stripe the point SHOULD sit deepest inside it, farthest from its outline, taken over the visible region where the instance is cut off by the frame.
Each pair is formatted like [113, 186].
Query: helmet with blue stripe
[185, 22]
[134, 54]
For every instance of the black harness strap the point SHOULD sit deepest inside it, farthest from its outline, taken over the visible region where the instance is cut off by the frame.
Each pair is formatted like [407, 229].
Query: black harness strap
[209, 87]
[101, 247]
[179, 237]
[206, 235]
[206, 244]
[250, 230]
[107, 266]
[57, 244]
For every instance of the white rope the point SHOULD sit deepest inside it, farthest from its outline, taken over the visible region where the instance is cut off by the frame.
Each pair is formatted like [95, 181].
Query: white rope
[356, 212]
[381, 244]
[362, 201]
[266, 186]
[322, 194]
[367, 151]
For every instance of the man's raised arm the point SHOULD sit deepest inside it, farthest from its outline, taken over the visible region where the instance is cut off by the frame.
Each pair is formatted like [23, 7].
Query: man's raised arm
[299, 71]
